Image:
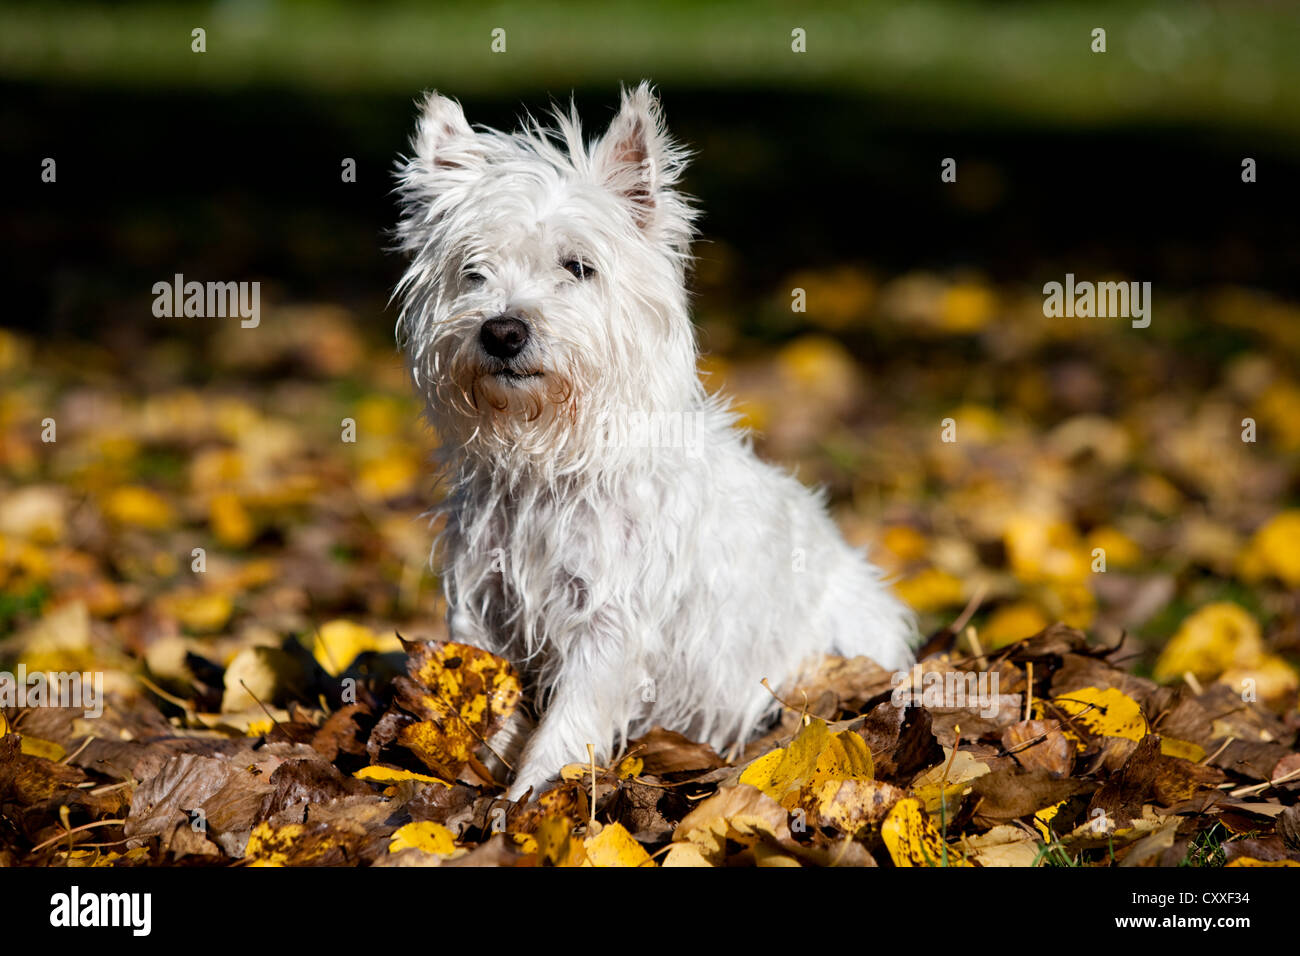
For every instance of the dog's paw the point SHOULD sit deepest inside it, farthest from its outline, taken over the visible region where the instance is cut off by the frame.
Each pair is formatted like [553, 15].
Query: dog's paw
[525, 791]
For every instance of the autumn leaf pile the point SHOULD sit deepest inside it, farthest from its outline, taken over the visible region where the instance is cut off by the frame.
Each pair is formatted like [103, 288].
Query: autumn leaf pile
[1098, 547]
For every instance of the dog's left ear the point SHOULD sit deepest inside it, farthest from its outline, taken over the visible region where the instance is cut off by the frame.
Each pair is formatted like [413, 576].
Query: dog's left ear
[636, 159]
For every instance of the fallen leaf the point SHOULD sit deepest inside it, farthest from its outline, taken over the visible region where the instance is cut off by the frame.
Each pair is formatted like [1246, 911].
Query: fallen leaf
[614, 846]
[427, 837]
[912, 839]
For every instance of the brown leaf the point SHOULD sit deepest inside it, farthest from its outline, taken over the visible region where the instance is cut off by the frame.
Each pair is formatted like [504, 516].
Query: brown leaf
[901, 741]
[1147, 777]
[1263, 848]
[1040, 744]
[1288, 827]
[341, 733]
[299, 782]
[228, 795]
[1254, 760]
[846, 683]
[1057, 640]
[666, 752]
[1006, 795]
[498, 850]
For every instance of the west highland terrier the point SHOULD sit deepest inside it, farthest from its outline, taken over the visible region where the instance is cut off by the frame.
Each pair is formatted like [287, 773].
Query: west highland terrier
[609, 529]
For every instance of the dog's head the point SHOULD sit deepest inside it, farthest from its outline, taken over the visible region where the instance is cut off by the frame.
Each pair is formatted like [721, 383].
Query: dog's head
[546, 287]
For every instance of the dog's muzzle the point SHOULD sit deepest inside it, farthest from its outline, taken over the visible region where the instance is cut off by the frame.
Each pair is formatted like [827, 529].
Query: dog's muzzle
[503, 337]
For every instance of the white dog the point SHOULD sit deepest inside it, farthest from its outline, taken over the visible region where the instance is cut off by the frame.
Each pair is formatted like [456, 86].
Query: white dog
[608, 529]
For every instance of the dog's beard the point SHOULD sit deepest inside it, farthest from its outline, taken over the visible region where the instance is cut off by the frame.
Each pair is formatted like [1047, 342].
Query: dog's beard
[502, 408]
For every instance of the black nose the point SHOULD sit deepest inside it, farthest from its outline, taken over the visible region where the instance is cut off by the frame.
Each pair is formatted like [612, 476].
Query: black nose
[503, 337]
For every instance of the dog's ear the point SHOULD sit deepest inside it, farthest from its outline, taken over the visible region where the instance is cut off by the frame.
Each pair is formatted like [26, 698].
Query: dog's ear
[445, 152]
[636, 159]
[443, 139]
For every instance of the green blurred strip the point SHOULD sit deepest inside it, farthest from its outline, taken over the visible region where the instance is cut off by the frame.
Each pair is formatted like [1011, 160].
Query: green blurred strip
[1181, 61]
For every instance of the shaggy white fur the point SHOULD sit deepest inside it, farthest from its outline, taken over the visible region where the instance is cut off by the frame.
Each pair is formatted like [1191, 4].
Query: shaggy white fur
[608, 528]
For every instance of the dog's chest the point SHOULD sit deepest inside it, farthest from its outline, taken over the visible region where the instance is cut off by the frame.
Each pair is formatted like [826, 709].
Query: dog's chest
[543, 554]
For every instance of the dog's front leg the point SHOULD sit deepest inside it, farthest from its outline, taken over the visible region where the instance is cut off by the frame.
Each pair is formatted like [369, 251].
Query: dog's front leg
[590, 703]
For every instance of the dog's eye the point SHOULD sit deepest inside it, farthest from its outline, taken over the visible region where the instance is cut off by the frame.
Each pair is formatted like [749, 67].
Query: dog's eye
[579, 268]
[473, 278]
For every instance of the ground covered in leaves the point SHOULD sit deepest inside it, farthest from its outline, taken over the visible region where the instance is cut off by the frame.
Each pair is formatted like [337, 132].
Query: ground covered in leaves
[227, 527]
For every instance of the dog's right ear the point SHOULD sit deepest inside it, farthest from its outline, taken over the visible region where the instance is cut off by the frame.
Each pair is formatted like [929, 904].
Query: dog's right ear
[445, 153]
[443, 139]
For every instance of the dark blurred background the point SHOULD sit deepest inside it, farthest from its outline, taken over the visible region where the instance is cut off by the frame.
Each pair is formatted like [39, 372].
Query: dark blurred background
[228, 162]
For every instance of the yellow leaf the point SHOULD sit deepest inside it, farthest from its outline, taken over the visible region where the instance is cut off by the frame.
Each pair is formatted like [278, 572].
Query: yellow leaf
[614, 846]
[797, 763]
[339, 642]
[966, 307]
[389, 775]
[382, 416]
[1043, 818]
[36, 747]
[1216, 638]
[1277, 547]
[1011, 623]
[630, 767]
[977, 423]
[1279, 407]
[556, 844]
[1041, 548]
[199, 612]
[819, 364]
[814, 757]
[1251, 861]
[1108, 713]
[760, 769]
[1121, 550]
[230, 521]
[294, 844]
[140, 507]
[912, 839]
[846, 756]
[391, 475]
[426, 836]
[270, 846]
[526, 842]
[905, 543]
[931, 590]
[1173, 747]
